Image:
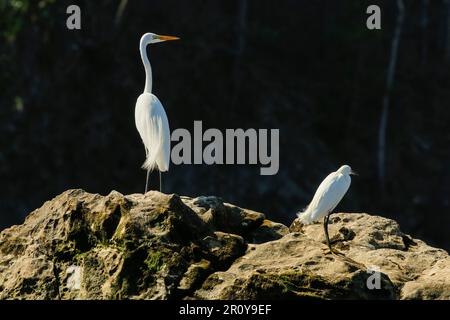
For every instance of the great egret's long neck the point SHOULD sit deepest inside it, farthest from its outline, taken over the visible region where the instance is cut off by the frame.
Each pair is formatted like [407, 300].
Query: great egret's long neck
[148, 68]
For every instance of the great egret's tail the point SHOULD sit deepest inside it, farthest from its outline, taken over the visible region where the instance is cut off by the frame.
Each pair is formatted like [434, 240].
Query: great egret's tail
[305, 216]
[152, 141]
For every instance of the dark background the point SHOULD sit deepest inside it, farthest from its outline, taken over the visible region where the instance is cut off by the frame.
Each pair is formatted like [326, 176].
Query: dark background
[310, 68]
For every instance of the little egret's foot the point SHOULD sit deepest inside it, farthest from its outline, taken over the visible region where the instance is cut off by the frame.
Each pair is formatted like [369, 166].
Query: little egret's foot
[332, 251]
[336, 252]
[325, 228]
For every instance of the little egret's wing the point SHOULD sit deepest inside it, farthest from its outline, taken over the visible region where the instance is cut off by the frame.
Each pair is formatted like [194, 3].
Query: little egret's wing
[328, 195]
[153, 127]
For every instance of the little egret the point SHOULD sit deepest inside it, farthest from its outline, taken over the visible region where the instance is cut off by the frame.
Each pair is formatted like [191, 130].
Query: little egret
[328, 195]
[151, 119]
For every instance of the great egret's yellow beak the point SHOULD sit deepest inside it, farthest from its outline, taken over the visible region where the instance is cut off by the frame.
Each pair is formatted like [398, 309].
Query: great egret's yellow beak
[166, 38]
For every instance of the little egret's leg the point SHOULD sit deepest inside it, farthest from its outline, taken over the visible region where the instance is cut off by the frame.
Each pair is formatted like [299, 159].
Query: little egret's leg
[160, 182]
[146, 181]
[325, 227]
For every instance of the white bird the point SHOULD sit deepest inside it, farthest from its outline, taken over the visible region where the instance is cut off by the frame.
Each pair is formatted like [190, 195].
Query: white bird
[150, 117]
[327, 197]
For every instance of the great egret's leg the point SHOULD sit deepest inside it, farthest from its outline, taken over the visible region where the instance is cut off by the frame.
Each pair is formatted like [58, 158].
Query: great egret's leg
[160, 182]
[146, 181]
[325, 227]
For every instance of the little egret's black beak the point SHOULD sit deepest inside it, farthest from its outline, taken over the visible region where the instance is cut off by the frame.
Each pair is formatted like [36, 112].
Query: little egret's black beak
[354, 173]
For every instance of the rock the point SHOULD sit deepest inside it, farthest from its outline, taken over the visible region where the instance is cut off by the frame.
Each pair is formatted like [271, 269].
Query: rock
[267, 231]
[224, 216]
[223, 248]
[195, 275]
[294, 266]
[154, 246]
[298, 265]
[157, 246]
[417, 270]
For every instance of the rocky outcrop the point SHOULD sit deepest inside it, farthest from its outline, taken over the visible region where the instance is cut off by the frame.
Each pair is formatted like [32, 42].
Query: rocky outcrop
[157, 246]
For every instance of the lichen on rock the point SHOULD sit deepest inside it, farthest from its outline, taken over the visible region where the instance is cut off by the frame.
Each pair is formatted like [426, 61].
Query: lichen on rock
[157, 246]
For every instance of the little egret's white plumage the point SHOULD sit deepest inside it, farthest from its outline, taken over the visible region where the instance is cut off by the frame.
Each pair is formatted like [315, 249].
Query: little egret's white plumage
[151, 119]
[327, 197]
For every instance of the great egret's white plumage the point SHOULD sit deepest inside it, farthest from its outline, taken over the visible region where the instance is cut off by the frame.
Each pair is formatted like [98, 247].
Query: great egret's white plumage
[150, 116]
[327, 197]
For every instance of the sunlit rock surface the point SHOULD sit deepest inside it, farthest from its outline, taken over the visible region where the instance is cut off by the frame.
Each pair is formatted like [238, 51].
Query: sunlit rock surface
[157, 246]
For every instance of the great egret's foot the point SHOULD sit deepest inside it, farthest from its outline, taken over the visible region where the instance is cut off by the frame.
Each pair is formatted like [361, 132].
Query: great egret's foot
[146, 181]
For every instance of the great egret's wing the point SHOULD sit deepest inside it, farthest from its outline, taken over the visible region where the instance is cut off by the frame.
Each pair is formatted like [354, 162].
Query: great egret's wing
[153, 127]
[328, 195]
[163, 158]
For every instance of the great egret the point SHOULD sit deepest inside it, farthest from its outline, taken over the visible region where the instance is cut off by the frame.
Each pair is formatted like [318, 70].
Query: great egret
[151, 119]
[328, 195]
